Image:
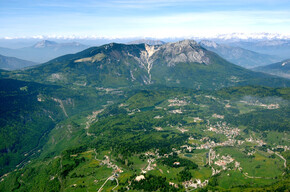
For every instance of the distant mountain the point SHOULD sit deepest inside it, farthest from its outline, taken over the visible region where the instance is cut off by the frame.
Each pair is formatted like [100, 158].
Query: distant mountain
[147, 41]
[45, 43]
[44, 51]
[182, 64]
[281, 69]
[12, 63]
[55, 45]
[239, 56]
[280, 48]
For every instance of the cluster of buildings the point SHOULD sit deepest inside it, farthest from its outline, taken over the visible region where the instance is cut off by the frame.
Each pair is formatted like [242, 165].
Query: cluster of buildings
[176, 111]
[224, 128]
[218, 116]
[258, 103]
[259, 142]
[150, 165]
[196, 183]
[176, 102]
[109, 164]
[223, 161]
[211, 144]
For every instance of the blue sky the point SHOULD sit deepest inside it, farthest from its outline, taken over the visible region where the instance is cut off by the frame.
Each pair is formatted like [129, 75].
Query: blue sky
[143, 18]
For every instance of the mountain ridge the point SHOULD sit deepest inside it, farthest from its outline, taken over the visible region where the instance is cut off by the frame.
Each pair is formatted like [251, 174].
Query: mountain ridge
[182, 64]
[240, 56]
[281, 69]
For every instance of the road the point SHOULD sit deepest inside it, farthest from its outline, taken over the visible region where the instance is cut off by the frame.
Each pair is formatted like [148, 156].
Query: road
[112, 176]
[285, 161]
[116, 185]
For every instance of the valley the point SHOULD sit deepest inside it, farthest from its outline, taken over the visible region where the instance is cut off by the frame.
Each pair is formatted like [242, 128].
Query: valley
[140, 143]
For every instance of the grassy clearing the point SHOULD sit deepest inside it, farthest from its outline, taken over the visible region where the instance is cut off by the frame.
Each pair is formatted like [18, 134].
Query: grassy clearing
[198, 157]
[231, 179]
[259, 166]
[202, 173]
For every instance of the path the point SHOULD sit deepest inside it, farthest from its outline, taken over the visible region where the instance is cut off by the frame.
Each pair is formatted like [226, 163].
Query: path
[251, 177]
[285, 161]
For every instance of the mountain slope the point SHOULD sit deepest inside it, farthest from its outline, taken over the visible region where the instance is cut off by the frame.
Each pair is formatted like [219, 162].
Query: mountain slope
[43, 51]
[281, 69]
[12, 63]
[29, 111]
[280, 48]
[181, 64]
[239, 56]
[27, 114]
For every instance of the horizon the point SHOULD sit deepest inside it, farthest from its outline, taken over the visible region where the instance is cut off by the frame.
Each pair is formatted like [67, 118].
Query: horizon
[159, 19]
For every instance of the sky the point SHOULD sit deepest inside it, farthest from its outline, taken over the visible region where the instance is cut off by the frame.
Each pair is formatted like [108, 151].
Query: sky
[141, 18]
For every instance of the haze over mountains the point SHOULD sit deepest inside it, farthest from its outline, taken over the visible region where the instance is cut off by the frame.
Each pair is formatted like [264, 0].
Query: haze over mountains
[239, 56]
[43, 51]
[247, 52]
[281, 69]
[279, 47]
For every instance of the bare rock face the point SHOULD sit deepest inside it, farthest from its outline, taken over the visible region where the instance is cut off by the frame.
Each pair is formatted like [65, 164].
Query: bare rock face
[187, 51]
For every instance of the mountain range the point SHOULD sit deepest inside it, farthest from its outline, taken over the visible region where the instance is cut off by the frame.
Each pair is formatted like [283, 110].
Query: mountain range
[43, 51]
[276, 47]
[182, 64]
[238, 55]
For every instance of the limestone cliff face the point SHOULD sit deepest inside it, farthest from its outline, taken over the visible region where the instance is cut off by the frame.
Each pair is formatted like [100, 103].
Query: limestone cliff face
[187, 51]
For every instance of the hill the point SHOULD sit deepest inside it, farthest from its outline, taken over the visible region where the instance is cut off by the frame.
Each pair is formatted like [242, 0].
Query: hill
[12, 63]
[281, 69]
[180, 64]
[239, 56]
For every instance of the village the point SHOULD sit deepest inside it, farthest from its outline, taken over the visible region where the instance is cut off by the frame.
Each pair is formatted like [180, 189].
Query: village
[216, 161]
